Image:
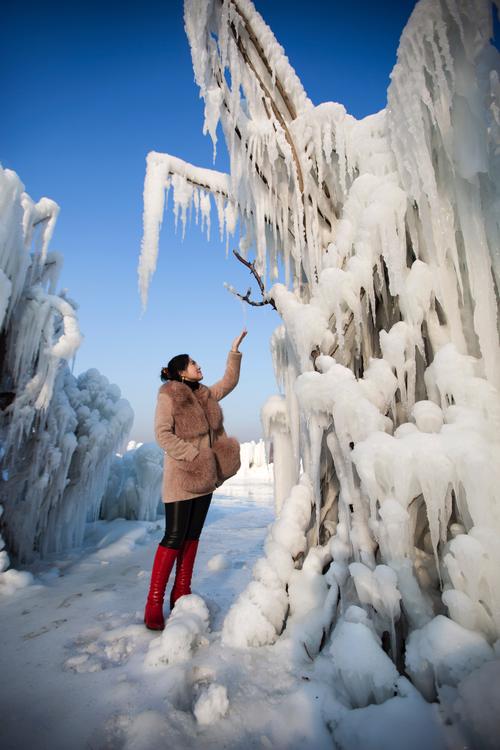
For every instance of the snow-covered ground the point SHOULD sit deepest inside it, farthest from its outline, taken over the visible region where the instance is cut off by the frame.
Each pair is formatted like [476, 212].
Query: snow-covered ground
[80, 670]
[75, 668]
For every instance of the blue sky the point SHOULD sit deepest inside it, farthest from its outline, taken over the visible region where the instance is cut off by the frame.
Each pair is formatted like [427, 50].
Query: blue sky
[88, 89]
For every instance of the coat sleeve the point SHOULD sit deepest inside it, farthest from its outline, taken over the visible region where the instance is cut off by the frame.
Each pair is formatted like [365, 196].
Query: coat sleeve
[231, 376]
[164, 432]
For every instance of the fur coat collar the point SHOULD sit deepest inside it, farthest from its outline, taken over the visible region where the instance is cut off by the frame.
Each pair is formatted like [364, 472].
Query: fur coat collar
[195, 412]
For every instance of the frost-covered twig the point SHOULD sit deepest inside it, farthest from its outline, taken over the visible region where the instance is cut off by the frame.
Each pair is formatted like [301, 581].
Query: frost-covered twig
[246, 297]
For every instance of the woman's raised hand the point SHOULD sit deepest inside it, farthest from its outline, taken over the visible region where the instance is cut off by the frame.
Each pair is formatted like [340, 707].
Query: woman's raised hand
[238, 340]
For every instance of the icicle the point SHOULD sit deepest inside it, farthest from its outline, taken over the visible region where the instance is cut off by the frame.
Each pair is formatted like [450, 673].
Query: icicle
[162, 171]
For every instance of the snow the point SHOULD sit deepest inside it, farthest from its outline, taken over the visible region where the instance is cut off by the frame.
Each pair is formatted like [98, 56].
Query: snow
[83, 637]
[443, 652]
[211, 705]
[275, 423]
[473, 706]
[404, 720]
[12, 580]
[217, 562]
[472, 565]
[360, 666]
[183, 633]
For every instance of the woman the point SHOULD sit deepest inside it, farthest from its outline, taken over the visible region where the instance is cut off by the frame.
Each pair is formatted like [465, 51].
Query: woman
[199, 456]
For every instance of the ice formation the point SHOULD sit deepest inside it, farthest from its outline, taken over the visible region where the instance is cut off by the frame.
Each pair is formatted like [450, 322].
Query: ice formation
[252, 455]
[185, 630]
[134, 484]
[211, 705]
[58, 433]
[385, 433]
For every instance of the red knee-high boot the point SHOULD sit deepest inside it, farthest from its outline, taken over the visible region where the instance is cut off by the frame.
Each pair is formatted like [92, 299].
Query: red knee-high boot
[184, 570]
[162, 567]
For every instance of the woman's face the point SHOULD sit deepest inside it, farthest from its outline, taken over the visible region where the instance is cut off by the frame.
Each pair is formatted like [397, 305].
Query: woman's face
[192, 371]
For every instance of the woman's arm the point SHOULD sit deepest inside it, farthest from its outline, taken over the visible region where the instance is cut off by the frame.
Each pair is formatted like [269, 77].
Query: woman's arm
[231, 376]
[164, 432]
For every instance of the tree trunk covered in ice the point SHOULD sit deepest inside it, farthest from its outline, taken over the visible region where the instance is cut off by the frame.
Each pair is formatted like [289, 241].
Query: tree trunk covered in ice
[58, 433]
[385, 235]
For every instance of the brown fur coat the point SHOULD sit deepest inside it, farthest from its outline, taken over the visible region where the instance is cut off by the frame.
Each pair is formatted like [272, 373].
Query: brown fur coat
[189, 427]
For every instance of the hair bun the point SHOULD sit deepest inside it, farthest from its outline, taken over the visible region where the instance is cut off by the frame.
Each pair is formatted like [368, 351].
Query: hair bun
[165, 375]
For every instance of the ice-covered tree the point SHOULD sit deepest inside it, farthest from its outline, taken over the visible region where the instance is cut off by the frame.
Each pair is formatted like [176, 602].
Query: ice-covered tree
[377, 241]
[58, 433]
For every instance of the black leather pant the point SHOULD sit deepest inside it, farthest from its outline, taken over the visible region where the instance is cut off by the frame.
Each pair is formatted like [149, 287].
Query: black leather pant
[184, 519]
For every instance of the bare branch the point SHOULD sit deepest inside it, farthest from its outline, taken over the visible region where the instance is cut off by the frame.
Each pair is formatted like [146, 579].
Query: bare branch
[276, 112]
[307, 652]
[280, 117]
[314, 355]
[260, 51]
[257, 277]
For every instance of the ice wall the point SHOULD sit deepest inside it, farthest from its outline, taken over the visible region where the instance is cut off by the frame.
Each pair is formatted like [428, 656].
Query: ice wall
[388, 356]
[58, 433]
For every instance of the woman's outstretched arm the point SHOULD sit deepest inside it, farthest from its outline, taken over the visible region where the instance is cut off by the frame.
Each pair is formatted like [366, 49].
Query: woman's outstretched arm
[230, 378]
[232, 374]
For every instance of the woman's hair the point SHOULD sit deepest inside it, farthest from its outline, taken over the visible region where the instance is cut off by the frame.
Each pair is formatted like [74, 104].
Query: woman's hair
[174, 367]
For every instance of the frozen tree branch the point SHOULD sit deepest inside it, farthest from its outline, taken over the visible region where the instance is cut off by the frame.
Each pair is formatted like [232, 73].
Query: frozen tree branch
[246, 297]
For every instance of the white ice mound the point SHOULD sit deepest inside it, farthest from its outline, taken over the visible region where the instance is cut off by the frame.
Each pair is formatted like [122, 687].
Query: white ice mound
[472, 564]
[475, 708]
[428, 416]
[443, 652]
[361, 669]
[211, 705]
[12, 580]
[218, 562]
[257, 616]
[184, 631]
[145, 730]
[405, 721]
